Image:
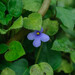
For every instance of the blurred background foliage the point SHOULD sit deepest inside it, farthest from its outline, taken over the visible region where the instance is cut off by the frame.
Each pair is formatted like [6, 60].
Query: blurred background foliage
[18, 56]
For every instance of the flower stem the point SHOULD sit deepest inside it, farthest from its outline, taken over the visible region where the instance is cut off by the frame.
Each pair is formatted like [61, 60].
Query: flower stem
[38, 54]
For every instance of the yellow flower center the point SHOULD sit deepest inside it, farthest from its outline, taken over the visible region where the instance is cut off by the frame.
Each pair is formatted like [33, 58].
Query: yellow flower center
[37, 33]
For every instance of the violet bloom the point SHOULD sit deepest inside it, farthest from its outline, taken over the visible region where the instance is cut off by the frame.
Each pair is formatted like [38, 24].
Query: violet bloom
[38, 36]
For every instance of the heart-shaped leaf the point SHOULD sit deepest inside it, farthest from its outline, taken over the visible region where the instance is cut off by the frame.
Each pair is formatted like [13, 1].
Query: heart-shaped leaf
[33, 22]
[50, 27]
[62, 44]
[49, 56]
[19, 66]
[15, 51]
[66, 16]
[41, 69]
[8, 71]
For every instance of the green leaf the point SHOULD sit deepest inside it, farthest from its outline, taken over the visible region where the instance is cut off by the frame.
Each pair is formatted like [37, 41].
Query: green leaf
[15, 51]
[32, 5]
[2, 7]
[2, 31]
[50, 27]
[66, 67]
[17, 24]
[33, 22]
[72, 55]
[3, 48]
[64, 3]
[1, 15]
[5, 20]
[53, 2]
[8, 71]
[19, 66]
[53, 58]
[62, 44]
[8, 18]
[15, 7]
[41, 69]
[66, 16]
[70, 32]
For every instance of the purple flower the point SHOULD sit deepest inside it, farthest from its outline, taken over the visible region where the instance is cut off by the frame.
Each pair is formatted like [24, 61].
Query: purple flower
[38, 36]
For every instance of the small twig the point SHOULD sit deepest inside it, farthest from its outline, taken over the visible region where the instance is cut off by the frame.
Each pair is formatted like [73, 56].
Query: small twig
[44, 7]
[21, 33]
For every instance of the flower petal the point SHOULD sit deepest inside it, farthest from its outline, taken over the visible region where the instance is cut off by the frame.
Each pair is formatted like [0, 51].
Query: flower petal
[41, 30]
[31, 36]
[44, 37]
[37, 42]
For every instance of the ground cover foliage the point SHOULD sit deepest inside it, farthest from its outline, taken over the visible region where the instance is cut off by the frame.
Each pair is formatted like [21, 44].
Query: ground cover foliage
[18, 56]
